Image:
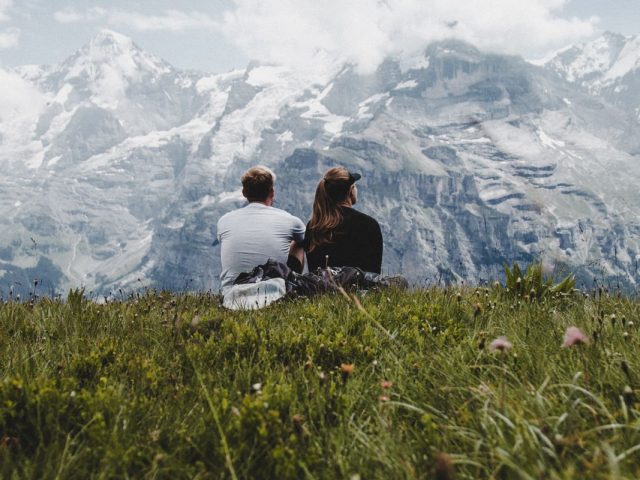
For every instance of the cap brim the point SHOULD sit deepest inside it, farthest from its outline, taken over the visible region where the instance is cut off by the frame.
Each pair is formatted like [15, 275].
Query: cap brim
[355, 176]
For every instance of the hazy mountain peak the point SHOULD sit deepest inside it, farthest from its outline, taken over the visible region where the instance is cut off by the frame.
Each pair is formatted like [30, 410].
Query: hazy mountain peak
[598, 62]
[113, 54]
[106, 38]
[453, 47]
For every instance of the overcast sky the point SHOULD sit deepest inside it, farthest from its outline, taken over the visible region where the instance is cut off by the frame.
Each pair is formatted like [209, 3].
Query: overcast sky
[219, 35]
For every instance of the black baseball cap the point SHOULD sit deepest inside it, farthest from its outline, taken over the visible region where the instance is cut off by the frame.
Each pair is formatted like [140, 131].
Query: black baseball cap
[339, 189]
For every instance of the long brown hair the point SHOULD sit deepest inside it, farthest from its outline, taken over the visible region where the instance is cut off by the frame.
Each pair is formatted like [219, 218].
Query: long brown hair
[331, 192]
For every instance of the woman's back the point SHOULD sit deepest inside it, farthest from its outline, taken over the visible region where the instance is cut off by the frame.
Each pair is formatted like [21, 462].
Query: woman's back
[355, 242]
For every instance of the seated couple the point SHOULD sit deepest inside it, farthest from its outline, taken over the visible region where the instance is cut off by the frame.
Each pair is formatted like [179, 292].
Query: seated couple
[336, 236]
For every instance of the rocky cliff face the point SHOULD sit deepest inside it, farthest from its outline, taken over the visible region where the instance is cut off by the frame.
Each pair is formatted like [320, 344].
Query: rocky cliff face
[469, 160]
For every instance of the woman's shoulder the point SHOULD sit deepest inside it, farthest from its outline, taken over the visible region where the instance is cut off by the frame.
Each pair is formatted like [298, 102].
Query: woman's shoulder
[360, 217]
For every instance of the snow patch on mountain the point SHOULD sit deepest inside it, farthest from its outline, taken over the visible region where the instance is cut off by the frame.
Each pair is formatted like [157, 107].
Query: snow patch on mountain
[600, 62]
[628, 61]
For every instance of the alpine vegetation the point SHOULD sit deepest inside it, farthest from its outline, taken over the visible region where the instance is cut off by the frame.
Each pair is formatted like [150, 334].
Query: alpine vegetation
[397, 385]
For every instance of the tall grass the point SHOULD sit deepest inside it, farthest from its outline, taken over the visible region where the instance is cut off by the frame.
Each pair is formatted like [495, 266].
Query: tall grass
[163, 386]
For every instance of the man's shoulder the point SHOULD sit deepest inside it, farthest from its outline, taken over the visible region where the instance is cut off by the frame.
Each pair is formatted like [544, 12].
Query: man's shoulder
[284, 214]
[265, 212]
[230, 215]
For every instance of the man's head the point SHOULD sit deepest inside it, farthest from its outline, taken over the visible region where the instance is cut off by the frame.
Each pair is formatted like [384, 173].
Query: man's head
[257, 184]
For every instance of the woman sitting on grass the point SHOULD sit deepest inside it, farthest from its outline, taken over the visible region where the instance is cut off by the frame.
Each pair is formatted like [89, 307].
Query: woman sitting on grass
[337, 235]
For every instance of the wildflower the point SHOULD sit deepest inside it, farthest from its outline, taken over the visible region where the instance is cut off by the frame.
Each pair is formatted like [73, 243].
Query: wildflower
[613, 319]
[629, 397]
[7, 441]
[630, 323]
[346, 370]
[626, 335]
[298, 423]
[477, 309]
[625, 368]
[500, 344]
[574, 336]
[383, 398]
[444, 467]
[386, 384]
[484, 389]
[256, 387]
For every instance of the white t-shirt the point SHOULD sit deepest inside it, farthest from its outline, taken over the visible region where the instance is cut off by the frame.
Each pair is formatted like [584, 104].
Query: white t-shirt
[251, 235]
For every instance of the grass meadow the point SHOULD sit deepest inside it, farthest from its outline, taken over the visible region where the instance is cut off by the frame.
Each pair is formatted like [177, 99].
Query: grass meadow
[393, 385]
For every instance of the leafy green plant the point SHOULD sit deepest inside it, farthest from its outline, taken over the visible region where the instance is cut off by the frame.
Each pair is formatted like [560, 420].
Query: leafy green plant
[75, 298]
[533, 283]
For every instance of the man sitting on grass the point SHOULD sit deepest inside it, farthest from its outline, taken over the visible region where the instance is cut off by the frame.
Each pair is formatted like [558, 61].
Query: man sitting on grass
[251, 235]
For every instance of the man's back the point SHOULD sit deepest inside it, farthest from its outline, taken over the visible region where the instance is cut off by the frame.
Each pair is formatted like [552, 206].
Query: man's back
[251, 235]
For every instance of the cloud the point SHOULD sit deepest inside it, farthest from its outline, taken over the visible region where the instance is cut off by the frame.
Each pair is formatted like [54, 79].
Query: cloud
[364, 32]
[9, 38]
[18, 98]
[169, 20]
[71, 15]
[5, 5]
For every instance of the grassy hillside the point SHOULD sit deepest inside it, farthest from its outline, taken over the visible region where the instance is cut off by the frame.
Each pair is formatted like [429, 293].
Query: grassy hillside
[166, 386]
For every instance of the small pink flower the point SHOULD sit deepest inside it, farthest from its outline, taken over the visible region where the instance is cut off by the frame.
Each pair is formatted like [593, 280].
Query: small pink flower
[574, 336]
[500, 344]
[386, 384]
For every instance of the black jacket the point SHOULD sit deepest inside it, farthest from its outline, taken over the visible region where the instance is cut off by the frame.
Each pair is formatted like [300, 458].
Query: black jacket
[356, 242]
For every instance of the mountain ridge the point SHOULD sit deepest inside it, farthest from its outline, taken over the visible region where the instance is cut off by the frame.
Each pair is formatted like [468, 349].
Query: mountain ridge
[469, 160]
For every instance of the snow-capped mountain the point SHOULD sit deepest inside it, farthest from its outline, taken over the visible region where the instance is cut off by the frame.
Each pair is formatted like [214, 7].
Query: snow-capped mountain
[116, 166]
[608, 66]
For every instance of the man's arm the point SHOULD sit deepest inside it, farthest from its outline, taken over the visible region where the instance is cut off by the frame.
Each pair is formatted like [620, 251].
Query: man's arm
[296, 251]
[296, 257]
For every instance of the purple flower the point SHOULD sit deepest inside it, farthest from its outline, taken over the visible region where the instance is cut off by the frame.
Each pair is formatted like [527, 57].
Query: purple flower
[574, 336]
[500, 344]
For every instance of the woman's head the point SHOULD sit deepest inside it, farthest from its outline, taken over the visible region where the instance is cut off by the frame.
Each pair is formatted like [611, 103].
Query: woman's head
[336, 189]
[339, 185]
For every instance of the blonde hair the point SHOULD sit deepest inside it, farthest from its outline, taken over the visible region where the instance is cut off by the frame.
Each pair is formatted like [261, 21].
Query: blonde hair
[257, 183]
[332, 190]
